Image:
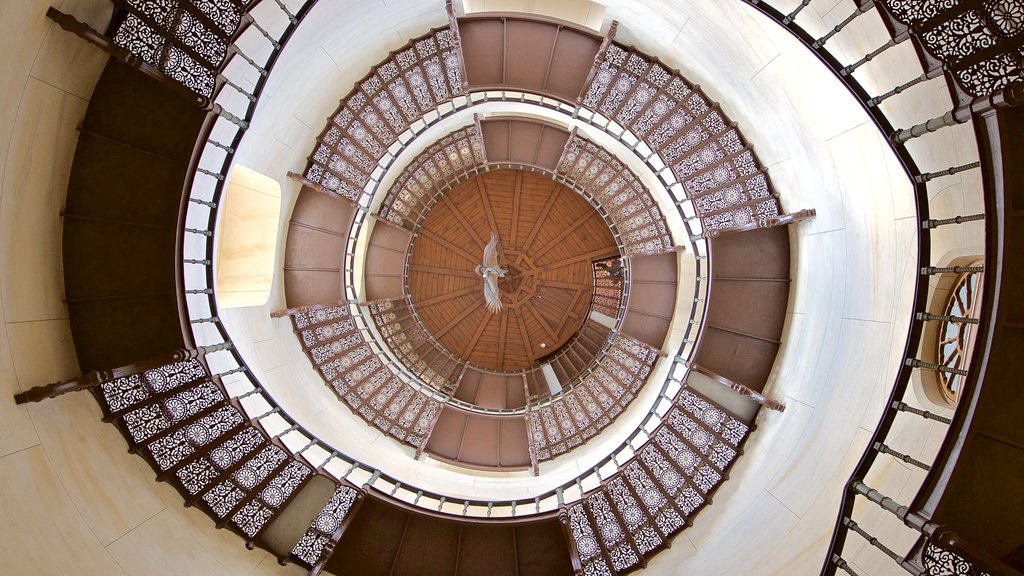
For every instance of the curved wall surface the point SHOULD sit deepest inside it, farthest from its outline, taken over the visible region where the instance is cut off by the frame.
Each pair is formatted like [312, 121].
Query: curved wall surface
[73, 501]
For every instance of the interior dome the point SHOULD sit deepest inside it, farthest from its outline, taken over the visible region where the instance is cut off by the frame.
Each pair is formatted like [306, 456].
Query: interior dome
[545, 295]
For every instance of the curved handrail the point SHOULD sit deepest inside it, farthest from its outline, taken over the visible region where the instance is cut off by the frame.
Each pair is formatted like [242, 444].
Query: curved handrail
[897, 140]
[255, 400]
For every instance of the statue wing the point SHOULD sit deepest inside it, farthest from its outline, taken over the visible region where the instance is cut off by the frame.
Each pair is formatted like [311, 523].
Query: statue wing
[491, 252]
[491, 295]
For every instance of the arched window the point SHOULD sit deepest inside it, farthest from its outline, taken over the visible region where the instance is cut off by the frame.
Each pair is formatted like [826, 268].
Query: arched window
[956, 333]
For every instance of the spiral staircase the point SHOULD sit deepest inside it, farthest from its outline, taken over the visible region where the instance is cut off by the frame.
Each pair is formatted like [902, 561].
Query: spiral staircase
[160, 361]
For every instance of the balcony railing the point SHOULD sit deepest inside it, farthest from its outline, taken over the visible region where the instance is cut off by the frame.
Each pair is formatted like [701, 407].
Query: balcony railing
[214, 156]
[973, 48]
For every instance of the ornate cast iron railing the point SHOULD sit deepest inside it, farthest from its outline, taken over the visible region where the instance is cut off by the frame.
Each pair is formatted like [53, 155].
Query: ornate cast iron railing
[976, 46]
[213, 159]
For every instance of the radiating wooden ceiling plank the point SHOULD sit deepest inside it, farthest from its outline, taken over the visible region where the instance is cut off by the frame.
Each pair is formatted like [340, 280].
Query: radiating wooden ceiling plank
[541, 218]
[462, 220]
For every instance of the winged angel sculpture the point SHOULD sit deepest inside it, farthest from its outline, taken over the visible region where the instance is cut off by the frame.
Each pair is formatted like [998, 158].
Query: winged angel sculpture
[490, 271]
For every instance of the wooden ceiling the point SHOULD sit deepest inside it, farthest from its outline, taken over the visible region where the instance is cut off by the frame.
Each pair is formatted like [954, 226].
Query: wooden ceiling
[549, 235]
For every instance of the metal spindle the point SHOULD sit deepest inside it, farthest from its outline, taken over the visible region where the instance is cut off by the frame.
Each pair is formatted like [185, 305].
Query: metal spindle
[937, 123]
[933, 270]
[947, 318]
[792, 15]
[199, 291]
[904, 407]
[915, 363]
[202, 202]
[248, 95]
[880, 447]
[231, 118]
[267, 413]
[883, 501]
[238, 370]
[872, 540]
[839, 27]
[284, 8]
[262, 30]
[210, 173]
[842, 565]
[247, 394]
[288, 430]
[196, 261]
[210, 320]
[223, 147]
[242, 55]
[921, 179]
[956, 220]
[847, 70]
[307, 446]
[217, 347]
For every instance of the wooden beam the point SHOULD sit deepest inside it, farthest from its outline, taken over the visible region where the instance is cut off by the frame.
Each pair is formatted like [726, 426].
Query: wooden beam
[501, 340]
[525, 335]
[540, 219]
[462, 219]
[487, 205]
[477, 334]
[457, 319]
[572, 286]
[517, 194]
[569, 311]
[545, 308]
[543, 324]
[599, 253]
[442, 271]
[564, 234]
[461, 252]
[448, 296]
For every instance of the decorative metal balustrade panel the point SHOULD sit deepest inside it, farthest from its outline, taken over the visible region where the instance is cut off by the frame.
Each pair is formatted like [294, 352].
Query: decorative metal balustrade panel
[941, 562]
[418, 351]
[450, 160]
[584, 410]
[704, 150]
[980, 43]
[357, 376]
[658, 492]
[415, 80]
[185, 39]
[180, 420]
[629, 204]
[310, 548]
[609, 276]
